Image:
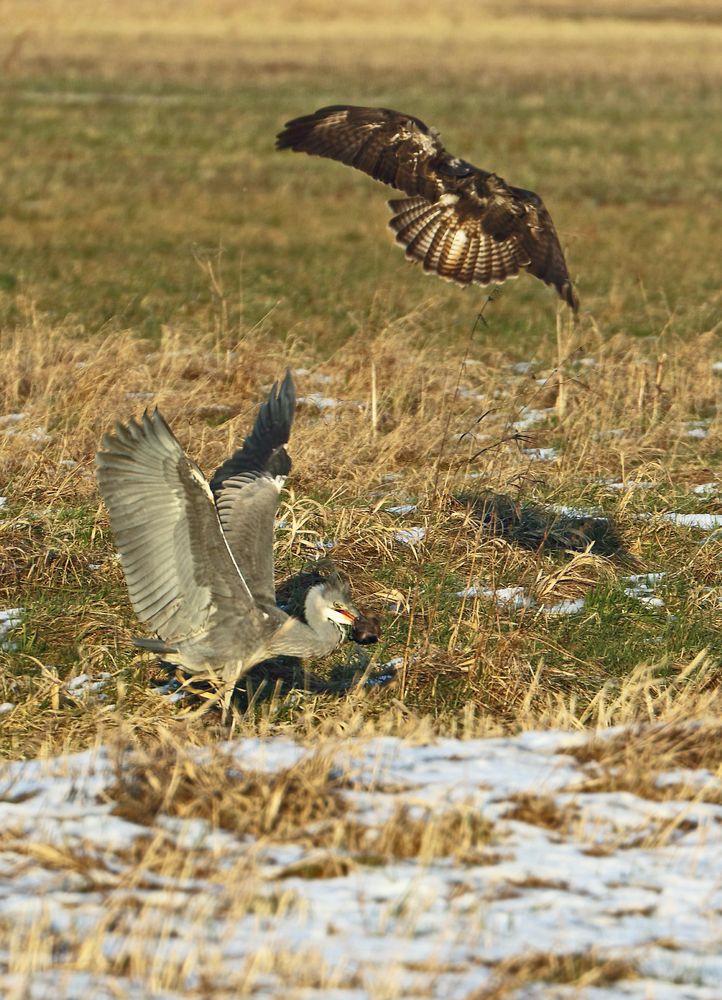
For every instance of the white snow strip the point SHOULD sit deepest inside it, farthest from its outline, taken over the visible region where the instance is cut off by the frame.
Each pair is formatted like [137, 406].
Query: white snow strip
[561, 508]
[404, 508]
[503, 597]
[326, 402]
[629, 878]
[631, 484]
[83, 684]
[529, 417]
[513, 598]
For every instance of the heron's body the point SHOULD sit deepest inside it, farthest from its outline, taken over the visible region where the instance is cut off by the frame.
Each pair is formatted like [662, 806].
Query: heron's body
[198, 558]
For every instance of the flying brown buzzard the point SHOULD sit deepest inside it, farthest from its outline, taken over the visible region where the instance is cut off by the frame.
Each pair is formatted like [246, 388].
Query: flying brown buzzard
[462, 223]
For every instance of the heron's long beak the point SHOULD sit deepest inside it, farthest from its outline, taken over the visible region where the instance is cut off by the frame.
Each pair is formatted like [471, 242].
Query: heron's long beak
[343, 616]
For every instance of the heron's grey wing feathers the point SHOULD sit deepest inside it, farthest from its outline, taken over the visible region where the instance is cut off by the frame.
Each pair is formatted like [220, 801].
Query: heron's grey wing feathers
[181, 576]
[247, 486]
[263, 450]
[247, 506]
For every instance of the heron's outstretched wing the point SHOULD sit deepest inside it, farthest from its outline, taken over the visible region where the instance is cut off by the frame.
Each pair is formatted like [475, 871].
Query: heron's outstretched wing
[181, 576]
[247, 487]
[462, 223]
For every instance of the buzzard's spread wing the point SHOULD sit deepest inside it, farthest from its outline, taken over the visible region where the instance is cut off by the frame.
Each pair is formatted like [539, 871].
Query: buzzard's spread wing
[246, 490]
[461, 222]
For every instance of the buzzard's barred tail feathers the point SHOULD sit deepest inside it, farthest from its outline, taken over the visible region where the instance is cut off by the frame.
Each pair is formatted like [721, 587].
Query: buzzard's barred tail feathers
[456, 250]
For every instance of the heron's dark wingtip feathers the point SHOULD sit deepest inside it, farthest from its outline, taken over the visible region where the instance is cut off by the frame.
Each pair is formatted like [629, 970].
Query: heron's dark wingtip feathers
[263, 450]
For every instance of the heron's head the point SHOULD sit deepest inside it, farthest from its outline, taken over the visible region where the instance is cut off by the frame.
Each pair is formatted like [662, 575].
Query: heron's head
[331, 601]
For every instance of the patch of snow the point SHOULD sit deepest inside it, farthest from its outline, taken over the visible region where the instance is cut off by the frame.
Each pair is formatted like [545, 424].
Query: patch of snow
[503, 597]
[11, 418]
[7, 706]
[410, 536]
[472, 394]
[569, 606]
[523, 367]
[631, 484]
[642, 586]
[324, 402]
[404, 508]
[561, 508]
[317, 376]
[697, 432]
[706, 489]
[704, 522]
[9, 619]
[83, 684]
[3, 502]
[541, 454]
[514, 598]
[529, 417]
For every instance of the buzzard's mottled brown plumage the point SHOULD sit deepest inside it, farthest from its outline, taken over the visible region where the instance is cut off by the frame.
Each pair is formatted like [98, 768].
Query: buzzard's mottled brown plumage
[460, 222]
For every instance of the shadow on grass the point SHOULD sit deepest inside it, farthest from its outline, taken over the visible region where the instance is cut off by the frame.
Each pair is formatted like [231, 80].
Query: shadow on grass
[534, 526]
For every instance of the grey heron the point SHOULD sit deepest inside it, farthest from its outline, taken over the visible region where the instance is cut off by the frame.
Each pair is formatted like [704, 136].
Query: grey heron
[198, 556]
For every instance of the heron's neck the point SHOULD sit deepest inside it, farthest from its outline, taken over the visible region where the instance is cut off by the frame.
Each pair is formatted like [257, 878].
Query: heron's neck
[295, 638]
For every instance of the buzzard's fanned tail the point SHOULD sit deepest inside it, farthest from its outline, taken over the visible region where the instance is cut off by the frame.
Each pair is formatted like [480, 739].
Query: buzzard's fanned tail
[457, 250]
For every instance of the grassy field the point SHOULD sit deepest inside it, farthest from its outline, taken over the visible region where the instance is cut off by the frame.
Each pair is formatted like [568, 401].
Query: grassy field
[155, 249]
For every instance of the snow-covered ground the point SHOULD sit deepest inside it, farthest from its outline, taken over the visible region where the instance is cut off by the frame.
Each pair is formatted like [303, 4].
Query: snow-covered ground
[623, 877]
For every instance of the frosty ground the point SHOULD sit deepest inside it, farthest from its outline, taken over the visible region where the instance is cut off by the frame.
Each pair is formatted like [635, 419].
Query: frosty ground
[525, 882]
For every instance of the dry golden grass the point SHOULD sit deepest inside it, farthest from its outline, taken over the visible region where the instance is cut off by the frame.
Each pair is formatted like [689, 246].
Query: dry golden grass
[583, 970]
[439, 417]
